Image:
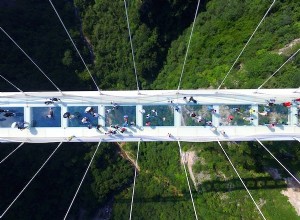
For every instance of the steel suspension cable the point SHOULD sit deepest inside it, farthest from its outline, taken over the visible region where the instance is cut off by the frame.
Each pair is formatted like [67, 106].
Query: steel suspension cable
[132, 51]
[297, 139]
[278, 69]
[11, 153]
[74, 46]
[187, 179]
[30, 180]
[135, 174]
[87, 169]
[11, 83]
[187, 49]
[30, 59]
[262, 215]
[277, 160]
[246, 44]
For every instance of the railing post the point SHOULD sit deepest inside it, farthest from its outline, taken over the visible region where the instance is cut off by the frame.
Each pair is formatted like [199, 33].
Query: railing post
[216, 116]
[139, 115]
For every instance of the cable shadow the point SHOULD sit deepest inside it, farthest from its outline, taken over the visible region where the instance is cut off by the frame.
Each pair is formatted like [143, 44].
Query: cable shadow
[216, 186]
[236, 184]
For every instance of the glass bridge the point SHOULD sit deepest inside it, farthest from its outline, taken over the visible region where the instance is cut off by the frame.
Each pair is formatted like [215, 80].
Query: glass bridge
[153, 115]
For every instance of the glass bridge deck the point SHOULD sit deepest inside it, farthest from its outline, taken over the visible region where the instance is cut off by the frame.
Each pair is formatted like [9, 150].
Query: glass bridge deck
[190, 116]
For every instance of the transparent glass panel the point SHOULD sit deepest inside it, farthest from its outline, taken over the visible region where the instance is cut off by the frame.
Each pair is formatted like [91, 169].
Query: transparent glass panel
[9, 115]
[120, 115]
[77, 113]
[196, 115]
[46, 117]
[158, 115]
[276, 115]
[236, 115]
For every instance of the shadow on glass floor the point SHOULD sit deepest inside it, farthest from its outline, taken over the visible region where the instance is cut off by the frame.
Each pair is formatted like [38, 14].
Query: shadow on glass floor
[196, 115]
[272, 115]
[14, 114]
[78, 113]
[46, 117]
[158, 115]
[236, 115]
[120, 115]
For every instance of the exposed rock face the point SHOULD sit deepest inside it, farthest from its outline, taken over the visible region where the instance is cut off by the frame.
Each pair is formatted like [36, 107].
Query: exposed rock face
[293, 193]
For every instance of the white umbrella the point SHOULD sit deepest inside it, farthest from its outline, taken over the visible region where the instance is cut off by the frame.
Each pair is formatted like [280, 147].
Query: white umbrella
[14, 125]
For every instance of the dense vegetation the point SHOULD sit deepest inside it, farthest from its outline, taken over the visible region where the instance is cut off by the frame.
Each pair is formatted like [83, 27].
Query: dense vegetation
[160, 31]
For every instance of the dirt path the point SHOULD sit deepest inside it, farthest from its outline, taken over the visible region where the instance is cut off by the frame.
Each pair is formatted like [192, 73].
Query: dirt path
[190, 158]
[127, 155]
[286, 49]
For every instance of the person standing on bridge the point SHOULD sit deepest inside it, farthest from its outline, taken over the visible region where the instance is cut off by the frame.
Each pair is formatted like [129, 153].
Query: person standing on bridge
[96, 115]
[296, 100]
[250, 119]
[85, 120]
[191, 99]
[251, 111]
[22, 125]
[67, 115]
[89, 110]
[9, 114]
[211, 109]
[115, 106]
[49, 102]
[54, 99]
[50, 113]
[270, 102]
[287, 104]
[193, 115]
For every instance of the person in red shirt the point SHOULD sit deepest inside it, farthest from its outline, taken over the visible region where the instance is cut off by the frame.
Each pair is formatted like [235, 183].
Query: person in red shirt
[287, 104]
[230, 118]
[297, 100]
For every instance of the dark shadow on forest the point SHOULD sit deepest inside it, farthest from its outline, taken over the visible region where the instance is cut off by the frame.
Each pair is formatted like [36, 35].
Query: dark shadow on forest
[260, 183]
[236, 184]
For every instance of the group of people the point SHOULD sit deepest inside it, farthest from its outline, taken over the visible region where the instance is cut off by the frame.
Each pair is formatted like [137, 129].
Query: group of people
[153, 115]
[115, 129]
[21, 125]
[7, 113]
[245, 115]
[272, 103]
[52, 101]
[85, 119]
[50, 113]
[288, 104]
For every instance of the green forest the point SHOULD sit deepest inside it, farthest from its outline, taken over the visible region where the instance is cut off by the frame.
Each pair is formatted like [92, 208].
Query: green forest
[160, 33]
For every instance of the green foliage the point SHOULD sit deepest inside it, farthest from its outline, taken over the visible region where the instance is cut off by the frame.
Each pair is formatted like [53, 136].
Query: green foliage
[160, 32]
[220, 34]
[110, 172]
[35, 27]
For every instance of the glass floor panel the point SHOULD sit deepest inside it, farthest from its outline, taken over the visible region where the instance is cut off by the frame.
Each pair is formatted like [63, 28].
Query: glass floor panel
[236, 115]
[6, 122]
[120, 115]
[196, 115]
[276, 114]
[78, 113]
[158, 115]
[40, 117]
